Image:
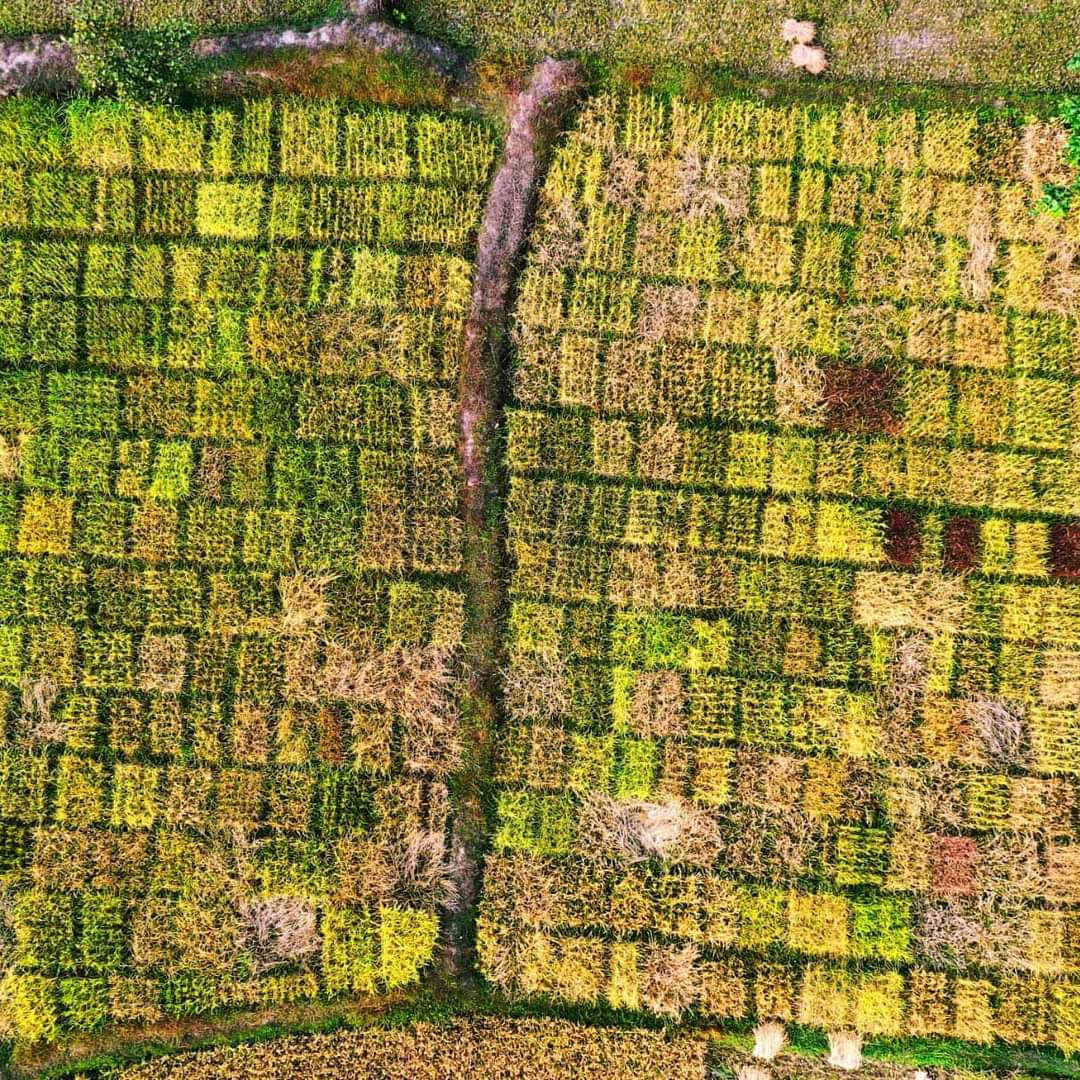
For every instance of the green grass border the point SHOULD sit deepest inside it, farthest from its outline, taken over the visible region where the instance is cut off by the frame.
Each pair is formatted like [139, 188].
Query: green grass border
[441, 1007]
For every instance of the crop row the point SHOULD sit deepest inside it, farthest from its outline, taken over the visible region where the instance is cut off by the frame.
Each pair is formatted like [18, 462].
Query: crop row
[673, 980]
[262, 137]
[358, 954]
[530, 1049]
[712, 914]
[238, 276]
[792, 468]
[681, 760]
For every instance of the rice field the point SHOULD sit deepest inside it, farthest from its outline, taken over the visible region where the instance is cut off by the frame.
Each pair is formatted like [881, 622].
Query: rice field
[229, 591]
[794, 614]
[787, 720]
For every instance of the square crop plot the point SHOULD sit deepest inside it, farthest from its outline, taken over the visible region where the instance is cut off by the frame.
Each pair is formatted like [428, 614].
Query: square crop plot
[230, 550]
[794, 627]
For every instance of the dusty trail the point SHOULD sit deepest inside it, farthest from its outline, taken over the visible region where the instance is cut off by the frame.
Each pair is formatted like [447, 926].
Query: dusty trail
[534, 121]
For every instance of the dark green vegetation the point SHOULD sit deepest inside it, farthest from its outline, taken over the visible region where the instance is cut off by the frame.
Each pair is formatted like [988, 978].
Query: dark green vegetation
[151, 66]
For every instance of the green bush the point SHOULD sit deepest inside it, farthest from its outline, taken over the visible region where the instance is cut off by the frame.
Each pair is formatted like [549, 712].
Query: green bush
[154, 66]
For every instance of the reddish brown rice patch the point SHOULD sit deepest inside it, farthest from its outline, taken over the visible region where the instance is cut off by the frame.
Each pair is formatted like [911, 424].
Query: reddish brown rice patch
[903, 536]
[962, 544]
[860, 400]
[1065, 549]
[954, 866]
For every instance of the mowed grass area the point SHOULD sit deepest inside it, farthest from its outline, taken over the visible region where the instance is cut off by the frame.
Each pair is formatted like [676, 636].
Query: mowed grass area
[794, 613]
[1001, 43]
[26, 16]
[230, 606]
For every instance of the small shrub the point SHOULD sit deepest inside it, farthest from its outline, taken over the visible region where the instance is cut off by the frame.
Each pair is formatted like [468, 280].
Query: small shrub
[151, 66]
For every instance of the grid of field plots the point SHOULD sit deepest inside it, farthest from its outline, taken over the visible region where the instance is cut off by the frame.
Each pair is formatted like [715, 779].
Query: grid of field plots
[795, 614]
[228, 515]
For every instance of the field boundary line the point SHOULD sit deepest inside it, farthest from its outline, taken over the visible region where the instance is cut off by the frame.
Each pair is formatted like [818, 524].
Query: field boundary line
[534, 122]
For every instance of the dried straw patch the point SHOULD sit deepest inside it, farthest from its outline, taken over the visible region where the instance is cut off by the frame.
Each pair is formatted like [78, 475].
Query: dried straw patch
[1059, 683]
[668, 312]
[416, 684]
[769, 1040]
[800, 388]
[752, 1072]
[11, 451]
[949, 935]
[1000, 726]
[977, 280]
[624, 182]
[636, 831]
[278, 930]
[893, 601]
[537, 688]
[36, 720]
[304, 602]
[1060, 289]
[845, 1050]
[1042, 155]
[560, 236]
[904, 692]
[707, 184]
[669, 980]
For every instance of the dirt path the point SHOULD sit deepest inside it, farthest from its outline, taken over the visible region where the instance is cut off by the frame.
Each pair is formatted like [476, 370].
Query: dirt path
[45, 62]
[534, 121]
[360, 26]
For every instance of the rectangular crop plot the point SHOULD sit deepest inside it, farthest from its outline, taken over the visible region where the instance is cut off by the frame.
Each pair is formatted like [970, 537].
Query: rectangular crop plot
[794, 628]
[231, 605]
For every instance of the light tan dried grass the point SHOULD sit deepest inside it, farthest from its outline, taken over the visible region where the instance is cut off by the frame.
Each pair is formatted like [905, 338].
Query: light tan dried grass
[669, 979]
[977, 279]
[415, 683]
[1042, 155]
[277, 931]
[304, 603]
[927, 602]
[845, 1050]
[770, 1039]
[635, 831]
[37, 723]
[800, 387]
